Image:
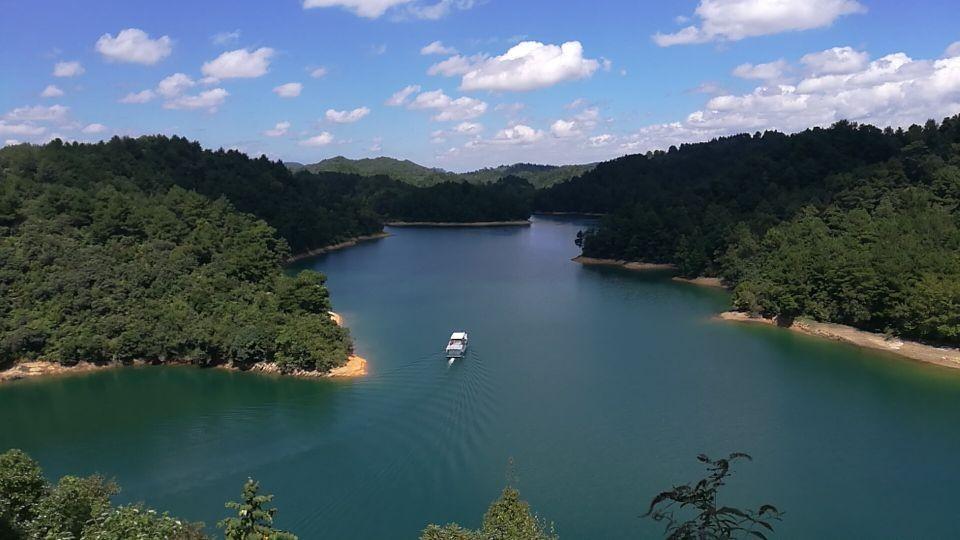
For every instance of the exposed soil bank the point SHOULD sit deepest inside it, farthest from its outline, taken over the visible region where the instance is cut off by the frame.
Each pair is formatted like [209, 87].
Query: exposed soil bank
[702, 281]
[635, 265]
[345, 244]
[941, 356]
[39, 368]
[516, 223]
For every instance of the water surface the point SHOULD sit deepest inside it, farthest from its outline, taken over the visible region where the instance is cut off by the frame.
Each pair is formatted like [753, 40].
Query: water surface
[602, 385]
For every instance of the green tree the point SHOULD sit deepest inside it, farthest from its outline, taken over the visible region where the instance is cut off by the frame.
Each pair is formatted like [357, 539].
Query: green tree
[508, 518]
[71, 504]
[254, 520]
[136, 522]
[22, 486]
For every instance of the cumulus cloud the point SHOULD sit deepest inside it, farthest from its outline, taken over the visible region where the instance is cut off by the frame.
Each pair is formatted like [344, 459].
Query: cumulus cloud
[20, 129]
[134, 46]
[39, 113]
[468, 128]
[456, 65]
[68, 69]
[279, 130]
[322, 139]
[209, 100]
[733, 20]
[174, 85]
[582, 122]
[518, 134]
[370, 9]
[94, 129]
[239, 64]
[319, 72]
[765, 72]
[530, 65]
[437, 47]
[401, 96]
[138, 97]
[837, 60]
[346, 117]
[288, 90]
[952, 50]
[51, 91]
[449, 109]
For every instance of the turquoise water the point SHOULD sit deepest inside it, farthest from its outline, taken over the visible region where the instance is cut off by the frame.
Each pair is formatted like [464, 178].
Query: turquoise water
[602, 385]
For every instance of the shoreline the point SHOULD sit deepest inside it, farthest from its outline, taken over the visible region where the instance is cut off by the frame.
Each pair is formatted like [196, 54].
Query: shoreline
[628, 265]
[356, 366]
[702, 281]
[514, 223]
[585, 214]
[930, 354]
[334, 247]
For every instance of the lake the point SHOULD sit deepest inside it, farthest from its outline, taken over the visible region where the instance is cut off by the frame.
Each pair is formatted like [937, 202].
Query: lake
[600, 385]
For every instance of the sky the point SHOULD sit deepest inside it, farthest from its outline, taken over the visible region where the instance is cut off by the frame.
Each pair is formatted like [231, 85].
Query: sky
[465, 84]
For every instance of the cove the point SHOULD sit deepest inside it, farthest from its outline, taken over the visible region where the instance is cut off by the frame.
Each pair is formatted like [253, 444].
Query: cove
[602, 385]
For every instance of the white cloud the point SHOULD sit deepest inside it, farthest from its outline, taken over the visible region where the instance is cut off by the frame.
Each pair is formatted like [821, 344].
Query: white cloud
[530, 65]
[10, 142]
[837, 60]
[439, 9]
[564, 128]
[68, 69]
[765, 72]
[437, 47]
[322, 139]
[319, 72]
[370, 9]
[208, 99]
[39, 113]
[51, 91]
[518, 134]
[225, 38]
[401, 96]
[952, 50]
[733, 20]
[278, 130]
[175, 85]
[134, 46]
[346, 117]
[28, 130]
[93, 129]
[241, 63]
[456, 65]
[468, 128]
[138, 97]
[582, 122]
[601, 140]
[449, 109]
[288, 90]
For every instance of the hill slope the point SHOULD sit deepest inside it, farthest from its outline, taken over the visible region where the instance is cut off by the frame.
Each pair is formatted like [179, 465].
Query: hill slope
[412, 173]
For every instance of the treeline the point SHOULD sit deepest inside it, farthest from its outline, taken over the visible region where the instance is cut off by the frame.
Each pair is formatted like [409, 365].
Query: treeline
[849, 224]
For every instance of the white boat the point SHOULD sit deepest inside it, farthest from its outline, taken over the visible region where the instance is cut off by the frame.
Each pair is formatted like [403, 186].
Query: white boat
[457, 346]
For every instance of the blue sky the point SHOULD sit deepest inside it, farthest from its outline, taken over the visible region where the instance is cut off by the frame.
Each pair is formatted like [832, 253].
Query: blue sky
[511, 81]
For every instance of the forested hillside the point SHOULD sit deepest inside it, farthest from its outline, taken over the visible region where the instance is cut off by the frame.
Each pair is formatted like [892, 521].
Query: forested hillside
[408, 172]
[850, 224]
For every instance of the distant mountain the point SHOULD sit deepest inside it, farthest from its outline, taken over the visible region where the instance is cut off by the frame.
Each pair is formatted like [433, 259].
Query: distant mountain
[412, 173]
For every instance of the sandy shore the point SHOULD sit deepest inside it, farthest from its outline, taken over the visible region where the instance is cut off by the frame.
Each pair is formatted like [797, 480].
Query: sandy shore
[941, 356]
[702, 281]
[355, 367]
[516, 223]
[629, 265]
[586, 214]
[348, 243]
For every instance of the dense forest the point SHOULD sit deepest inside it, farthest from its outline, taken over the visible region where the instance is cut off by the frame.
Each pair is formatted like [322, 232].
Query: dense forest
[155, 249]
[408, 172]
[849, 224]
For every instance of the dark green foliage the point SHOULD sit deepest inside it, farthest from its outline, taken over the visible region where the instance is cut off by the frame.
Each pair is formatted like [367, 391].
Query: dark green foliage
[140, 523]
[507, 199]
[105, 258]
[849, 224]
[76, 508]
[22, 487]
[508, 518]
[254, 520]
[692, 511]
